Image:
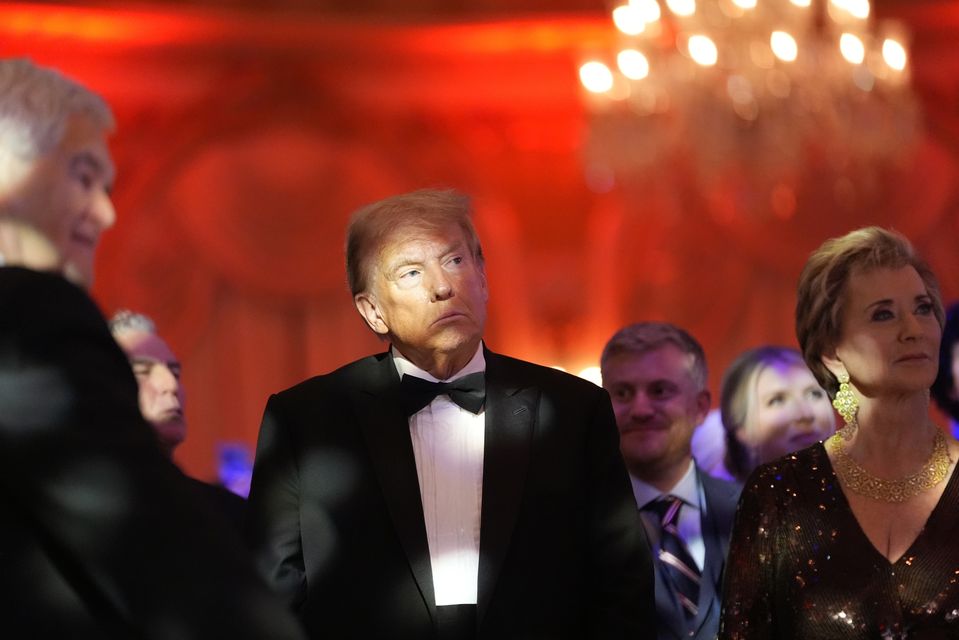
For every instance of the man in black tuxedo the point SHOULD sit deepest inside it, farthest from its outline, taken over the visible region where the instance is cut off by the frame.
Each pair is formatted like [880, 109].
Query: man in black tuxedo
[655, 373]
[440, 490]
[100, 536]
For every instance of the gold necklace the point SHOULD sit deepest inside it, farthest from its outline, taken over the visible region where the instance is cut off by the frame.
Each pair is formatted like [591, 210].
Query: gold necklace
[857, 479]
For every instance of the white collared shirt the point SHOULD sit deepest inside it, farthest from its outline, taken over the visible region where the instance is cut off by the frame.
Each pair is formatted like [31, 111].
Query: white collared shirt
[448, 444]
[690, 491]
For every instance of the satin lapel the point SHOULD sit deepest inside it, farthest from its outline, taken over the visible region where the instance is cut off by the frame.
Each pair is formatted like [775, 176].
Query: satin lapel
[510, 418]
[386, 430]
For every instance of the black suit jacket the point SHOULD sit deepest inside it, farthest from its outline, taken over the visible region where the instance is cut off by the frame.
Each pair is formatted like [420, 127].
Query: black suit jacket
[223, 501]
[338, 522]
[721, 499]
[100, 535]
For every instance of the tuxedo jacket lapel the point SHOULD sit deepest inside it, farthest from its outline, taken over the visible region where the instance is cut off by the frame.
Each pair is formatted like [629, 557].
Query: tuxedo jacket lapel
[510, 418]
[385, 428]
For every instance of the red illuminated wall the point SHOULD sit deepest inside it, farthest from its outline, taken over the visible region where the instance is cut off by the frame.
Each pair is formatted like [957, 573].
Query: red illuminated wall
[245, 141]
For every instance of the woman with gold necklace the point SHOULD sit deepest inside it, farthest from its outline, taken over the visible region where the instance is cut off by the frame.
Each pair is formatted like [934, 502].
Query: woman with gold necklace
[857, 536]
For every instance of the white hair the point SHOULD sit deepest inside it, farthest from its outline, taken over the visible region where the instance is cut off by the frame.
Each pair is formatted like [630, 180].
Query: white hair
[126, 321]
[36, 104]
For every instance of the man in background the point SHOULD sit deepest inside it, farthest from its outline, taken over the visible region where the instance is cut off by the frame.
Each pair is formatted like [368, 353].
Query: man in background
[655, 374]
[162, 398]
[101, 536]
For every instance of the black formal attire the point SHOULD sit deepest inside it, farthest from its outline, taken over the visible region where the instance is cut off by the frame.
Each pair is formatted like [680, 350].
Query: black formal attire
[100, 535]
[800, 566]
[716, 521]
[223, 501]
[338, 522]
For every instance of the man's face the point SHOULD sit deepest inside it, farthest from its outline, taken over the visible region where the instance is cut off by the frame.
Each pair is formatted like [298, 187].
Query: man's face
[427, 294]
[657, 407]
[65, 199]
[158, 375]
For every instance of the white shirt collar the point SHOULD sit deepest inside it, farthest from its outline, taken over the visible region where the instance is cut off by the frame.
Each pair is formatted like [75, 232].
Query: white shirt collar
[403, 366]
[687, 489]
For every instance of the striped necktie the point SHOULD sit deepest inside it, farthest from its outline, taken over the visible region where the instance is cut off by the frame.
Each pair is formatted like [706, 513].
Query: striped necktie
[674, 556]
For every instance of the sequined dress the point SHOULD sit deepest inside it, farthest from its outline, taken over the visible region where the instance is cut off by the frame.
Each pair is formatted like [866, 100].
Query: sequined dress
[800, 566]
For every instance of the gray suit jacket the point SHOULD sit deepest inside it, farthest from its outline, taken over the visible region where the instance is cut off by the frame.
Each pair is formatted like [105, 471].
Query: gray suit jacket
[721, 499]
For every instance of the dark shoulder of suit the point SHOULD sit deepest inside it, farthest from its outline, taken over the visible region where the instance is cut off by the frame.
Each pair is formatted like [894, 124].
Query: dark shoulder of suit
[223, 501]
[722, 496]
[102, 538]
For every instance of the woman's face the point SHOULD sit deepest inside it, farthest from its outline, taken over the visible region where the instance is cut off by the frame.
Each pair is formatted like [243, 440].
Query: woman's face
[789, 411]
[890, 336]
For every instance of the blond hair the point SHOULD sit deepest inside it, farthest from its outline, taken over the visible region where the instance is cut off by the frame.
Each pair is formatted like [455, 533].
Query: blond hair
[643, 337]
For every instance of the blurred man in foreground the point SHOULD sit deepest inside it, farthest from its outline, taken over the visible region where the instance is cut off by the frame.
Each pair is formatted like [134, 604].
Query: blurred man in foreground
[101, 536]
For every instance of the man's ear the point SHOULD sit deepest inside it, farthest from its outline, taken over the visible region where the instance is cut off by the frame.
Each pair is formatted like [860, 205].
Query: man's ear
[366, 305]
[703, 401]
[484, 283]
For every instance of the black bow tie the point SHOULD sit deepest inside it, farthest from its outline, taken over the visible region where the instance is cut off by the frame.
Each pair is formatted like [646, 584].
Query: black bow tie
[468, 392]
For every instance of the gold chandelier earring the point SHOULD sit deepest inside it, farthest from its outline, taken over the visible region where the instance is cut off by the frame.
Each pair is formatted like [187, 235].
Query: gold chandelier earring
[847, 405]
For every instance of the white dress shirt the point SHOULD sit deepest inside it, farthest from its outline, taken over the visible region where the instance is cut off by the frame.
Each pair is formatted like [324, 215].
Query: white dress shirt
[690, 491]
[448, 443]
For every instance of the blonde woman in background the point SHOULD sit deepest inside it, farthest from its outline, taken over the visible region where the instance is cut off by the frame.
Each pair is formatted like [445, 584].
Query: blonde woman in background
[771, 405]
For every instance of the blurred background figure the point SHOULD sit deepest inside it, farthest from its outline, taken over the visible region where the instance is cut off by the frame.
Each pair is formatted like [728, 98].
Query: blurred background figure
[945, 390]
[157, 372]
[709, 446]
[771, 405]
[162, 397]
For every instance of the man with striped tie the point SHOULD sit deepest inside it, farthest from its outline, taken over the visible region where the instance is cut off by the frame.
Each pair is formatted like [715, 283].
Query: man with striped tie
[655, 374]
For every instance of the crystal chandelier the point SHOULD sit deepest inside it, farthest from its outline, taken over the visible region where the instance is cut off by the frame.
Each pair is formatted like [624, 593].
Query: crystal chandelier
[766, 89]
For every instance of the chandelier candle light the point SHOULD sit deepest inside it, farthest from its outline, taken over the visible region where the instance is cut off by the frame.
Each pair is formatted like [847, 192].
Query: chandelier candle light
[764, 86]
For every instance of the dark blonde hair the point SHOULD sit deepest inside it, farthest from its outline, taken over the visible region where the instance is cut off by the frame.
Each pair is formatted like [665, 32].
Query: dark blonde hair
[426, 210]
[822, 285]
[643, 337]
